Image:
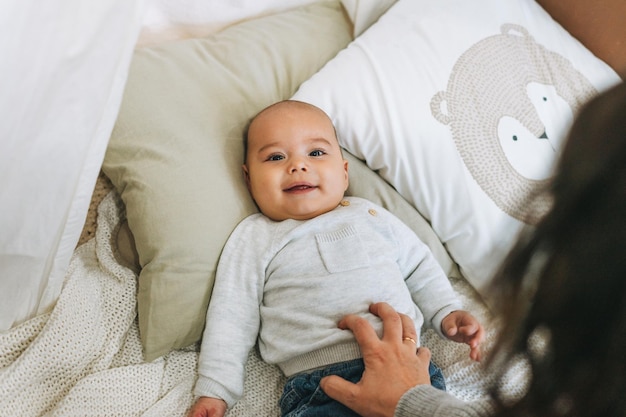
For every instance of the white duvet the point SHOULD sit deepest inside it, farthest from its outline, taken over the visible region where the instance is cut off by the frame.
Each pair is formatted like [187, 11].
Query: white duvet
[64, 67]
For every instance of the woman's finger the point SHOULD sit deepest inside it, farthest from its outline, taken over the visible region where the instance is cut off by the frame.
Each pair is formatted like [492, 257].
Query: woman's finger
[392, 323]
[408, 330]
[424, 354]
[363, 331]
[397, 326]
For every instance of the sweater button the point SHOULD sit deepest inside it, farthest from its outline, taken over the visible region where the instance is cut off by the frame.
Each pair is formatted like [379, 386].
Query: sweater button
[344, 203]
[372, 212]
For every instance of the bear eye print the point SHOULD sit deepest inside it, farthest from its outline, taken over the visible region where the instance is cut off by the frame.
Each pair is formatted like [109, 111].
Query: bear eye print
[553, 109]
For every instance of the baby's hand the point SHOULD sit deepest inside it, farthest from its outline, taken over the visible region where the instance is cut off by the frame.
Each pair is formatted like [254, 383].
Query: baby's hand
[208, 407]
[462, 327]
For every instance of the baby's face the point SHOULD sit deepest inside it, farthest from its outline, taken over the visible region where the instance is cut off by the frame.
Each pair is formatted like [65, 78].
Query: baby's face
[294, 168]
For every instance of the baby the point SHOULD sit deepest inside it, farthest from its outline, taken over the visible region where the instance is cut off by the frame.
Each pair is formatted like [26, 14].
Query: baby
[287, 275]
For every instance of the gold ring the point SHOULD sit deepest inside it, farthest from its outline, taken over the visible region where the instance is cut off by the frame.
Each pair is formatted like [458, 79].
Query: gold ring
[405, 338]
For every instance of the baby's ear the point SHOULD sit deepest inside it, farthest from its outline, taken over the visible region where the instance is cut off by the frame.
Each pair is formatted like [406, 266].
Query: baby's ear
[246, 175]
[345, 168]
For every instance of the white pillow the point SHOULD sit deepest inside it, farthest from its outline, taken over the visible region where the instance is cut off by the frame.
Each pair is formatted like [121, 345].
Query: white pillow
[447, 100]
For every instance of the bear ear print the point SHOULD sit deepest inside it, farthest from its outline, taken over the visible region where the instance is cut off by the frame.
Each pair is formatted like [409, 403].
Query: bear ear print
[514, 30]
[436, 108]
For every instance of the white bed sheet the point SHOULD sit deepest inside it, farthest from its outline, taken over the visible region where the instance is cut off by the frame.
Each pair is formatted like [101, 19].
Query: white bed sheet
[167, 20]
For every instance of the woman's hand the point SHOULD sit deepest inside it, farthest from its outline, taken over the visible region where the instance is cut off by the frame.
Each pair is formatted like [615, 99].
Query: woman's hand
[392, 365]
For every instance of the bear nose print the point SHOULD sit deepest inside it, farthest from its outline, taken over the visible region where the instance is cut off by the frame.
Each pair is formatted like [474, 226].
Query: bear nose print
[544, 135]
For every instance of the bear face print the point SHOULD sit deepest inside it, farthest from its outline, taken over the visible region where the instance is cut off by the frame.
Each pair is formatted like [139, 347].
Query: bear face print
[509, 104]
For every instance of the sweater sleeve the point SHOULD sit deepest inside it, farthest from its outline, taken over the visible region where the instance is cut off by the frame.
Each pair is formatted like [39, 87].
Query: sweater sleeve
[232, 322]
[427, 401]
[429, 286]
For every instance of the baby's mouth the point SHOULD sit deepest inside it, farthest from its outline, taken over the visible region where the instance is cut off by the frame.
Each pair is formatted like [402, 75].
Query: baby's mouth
[299, 187]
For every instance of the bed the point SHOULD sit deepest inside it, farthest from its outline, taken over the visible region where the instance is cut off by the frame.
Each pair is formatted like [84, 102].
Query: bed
[451, 115]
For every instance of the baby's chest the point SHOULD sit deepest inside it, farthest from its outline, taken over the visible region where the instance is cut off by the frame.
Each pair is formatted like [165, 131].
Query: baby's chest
[339, 250]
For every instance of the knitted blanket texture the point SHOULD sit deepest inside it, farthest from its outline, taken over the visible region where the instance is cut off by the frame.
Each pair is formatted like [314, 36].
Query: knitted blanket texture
[84, 357]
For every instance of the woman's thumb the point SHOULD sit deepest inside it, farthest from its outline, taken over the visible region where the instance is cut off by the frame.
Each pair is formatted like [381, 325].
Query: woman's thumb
[339, 389]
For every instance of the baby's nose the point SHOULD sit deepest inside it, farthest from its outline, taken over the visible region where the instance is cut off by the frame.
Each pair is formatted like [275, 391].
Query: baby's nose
[298, 165]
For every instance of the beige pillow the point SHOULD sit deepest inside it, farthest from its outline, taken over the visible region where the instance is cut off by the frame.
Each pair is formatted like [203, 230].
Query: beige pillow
[176, 151]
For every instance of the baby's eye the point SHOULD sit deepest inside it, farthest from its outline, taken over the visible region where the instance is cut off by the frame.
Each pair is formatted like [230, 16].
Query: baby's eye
[275, 157]
[317, 152]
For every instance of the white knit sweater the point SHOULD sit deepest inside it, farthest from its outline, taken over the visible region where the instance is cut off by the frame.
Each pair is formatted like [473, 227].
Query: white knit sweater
[289, 283]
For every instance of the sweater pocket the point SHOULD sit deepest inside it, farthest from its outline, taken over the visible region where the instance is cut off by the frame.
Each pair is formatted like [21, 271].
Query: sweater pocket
[342, 250]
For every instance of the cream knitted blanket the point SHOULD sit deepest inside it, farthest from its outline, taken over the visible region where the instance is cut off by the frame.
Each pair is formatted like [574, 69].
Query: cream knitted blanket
[84, 358]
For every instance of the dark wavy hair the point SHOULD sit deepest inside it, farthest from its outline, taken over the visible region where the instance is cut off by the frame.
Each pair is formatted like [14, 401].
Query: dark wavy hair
[562, 290]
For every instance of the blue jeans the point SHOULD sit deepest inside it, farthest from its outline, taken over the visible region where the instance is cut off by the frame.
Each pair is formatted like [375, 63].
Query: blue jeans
[303, 396]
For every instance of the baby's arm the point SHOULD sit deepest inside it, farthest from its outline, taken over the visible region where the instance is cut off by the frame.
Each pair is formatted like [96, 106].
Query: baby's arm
[232, 320]
[460, 326]
[208, 407]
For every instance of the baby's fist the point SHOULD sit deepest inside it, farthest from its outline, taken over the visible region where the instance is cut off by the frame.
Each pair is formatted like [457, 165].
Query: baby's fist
[208, 407]
[460, 326]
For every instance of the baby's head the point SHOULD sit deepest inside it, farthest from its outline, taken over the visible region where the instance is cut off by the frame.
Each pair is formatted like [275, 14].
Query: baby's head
[294, 168]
